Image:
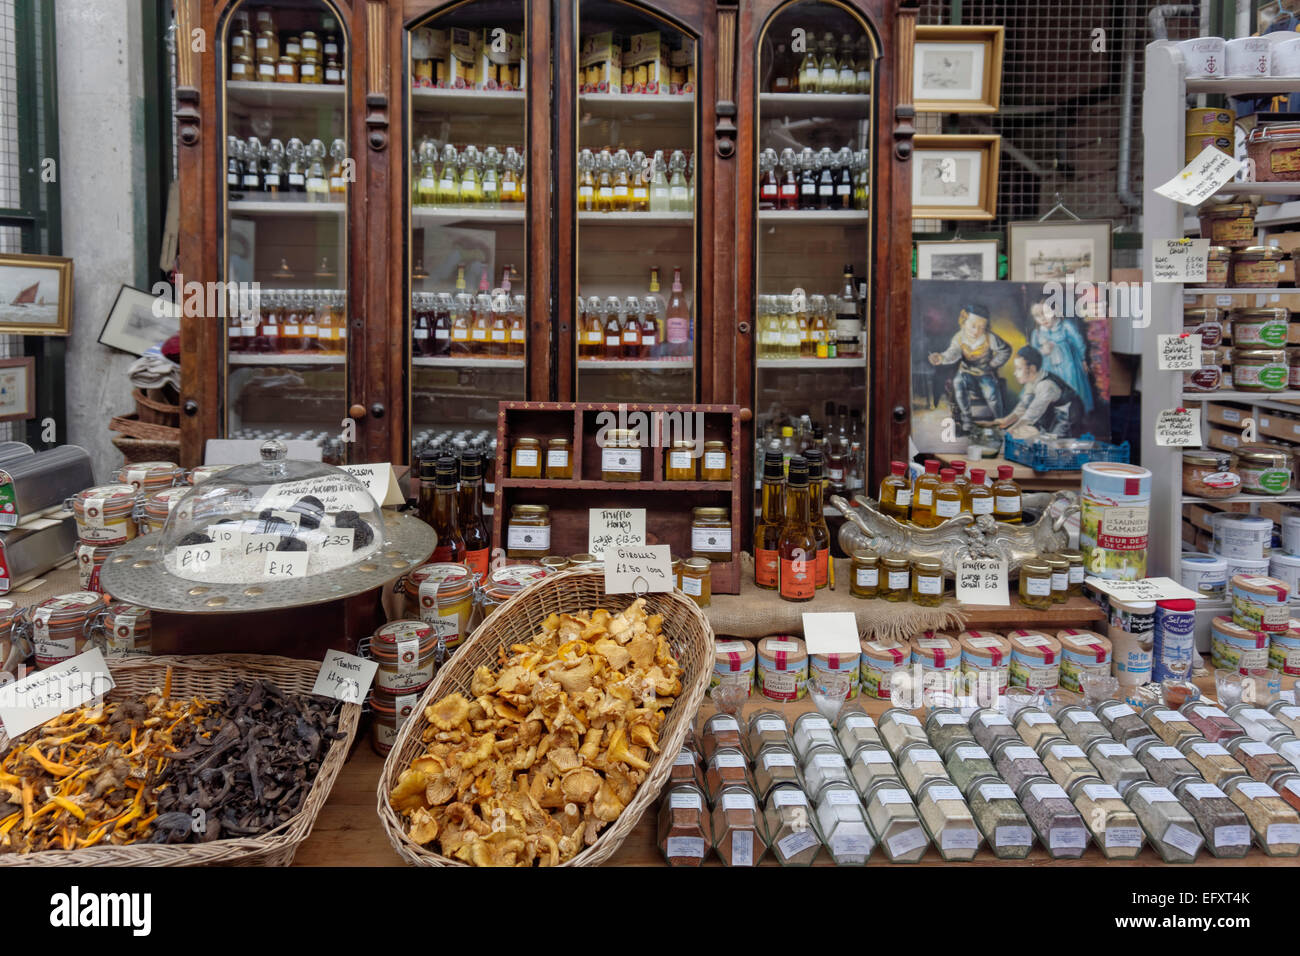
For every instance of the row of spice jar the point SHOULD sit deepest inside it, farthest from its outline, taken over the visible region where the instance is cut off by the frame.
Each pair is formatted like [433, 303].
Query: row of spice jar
[66, 625]
[621, 459]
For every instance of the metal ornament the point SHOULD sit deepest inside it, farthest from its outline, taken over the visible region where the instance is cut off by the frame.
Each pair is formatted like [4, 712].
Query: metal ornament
[959, 538]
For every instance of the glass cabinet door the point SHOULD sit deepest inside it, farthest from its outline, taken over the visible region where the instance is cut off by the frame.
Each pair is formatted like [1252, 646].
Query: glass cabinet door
[283, 237]
[636, 327]
[468, 240]
[813, 250]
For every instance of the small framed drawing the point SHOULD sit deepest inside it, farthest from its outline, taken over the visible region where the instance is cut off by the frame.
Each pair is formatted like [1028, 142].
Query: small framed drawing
[139, 320]
[17, 388]
[972, 260]
[955, 177]
[1058, 249]
[35, 295]
[957, 69]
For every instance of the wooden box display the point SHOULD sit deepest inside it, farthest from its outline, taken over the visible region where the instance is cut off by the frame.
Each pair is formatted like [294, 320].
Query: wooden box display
[668, 504]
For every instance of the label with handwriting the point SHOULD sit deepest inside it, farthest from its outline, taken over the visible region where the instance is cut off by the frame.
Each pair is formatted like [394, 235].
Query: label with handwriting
[1179, 427]
[645, 569]
[282, 565]
[42, 696]
[982, 581]
[1180, 260]
[614, 528]
[1179, 353]
[1201, 178]
[344, 677]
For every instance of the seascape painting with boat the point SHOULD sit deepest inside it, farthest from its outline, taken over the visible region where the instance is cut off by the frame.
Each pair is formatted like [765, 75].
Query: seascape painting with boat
[30, 294]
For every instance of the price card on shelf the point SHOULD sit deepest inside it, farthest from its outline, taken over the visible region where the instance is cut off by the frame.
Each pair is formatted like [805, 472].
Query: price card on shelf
[260, 543]
[42, 696]
[380, 480]
[282, 565]
[1179, 427]
[338, 540]
[1180, 260]
[834, 632]
[1201, 178]
[982, 581]
[197, 557]
[1148, 589]
[345, 677]
[614, 528]
[227, 534]
[647, 569]
[1178, 353]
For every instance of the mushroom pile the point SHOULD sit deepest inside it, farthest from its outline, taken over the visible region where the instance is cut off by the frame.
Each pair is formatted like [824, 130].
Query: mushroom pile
[549, 748]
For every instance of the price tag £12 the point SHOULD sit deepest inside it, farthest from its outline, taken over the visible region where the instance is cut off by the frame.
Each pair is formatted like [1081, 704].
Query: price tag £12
[282, 565]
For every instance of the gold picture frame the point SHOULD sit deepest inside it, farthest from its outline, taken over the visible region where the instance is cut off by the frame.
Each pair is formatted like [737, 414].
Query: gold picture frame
[955, 176]
[27, 283]
[957, 69]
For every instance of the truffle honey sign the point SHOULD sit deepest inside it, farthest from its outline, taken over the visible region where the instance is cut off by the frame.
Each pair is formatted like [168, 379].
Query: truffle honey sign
[614, 528]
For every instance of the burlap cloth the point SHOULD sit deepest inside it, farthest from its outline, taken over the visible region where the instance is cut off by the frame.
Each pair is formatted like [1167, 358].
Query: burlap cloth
[756, 612]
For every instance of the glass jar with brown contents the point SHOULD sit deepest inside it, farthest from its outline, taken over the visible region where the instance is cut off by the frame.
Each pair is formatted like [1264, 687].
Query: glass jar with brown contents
[528, 536]
[895, 578]
[697, 579]
[927, 582]
[716, 465]
[685, 827]
[559, 458]
[679, 462]
[265, 69]
[865, 580]
[711, 533]
[1060, 577]
[526, 458]
[286, 70]
[620, 457]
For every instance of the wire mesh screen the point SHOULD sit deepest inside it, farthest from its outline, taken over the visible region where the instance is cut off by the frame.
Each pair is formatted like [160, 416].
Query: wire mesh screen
[1062, 117]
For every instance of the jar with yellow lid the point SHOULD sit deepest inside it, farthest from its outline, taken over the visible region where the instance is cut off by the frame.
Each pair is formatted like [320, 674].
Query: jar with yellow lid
[697, 580]
[406, 652]
[711, 533]
[1060, 577]
[927, 582]
[1260, 370]
[153, 511]
[149, 476]
[105, 514]
[504, 583]
[895, 578]
[679, 462]
[716, 465]
[620, 457]
[61, 626]
[441, 596]
[1036, 584]
[554, 563]
[389, 713]
[1075, 558]
[1257, 267]
[125, 630]
[865, 579]
[528, 535]
[526, 458]
[559, 458]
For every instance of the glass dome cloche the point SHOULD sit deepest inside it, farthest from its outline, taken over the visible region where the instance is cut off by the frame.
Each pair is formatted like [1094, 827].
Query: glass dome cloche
[273, 519]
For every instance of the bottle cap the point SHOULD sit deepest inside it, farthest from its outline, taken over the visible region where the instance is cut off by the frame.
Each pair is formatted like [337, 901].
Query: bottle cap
[977, 476]
[798, 477]
[946, 475]
[814, 459]
[773, 466]
[445, 472]
[959, 467]
[471, 466]
[898, 467]
[787, 431]
[932, 466]
[1004, 472]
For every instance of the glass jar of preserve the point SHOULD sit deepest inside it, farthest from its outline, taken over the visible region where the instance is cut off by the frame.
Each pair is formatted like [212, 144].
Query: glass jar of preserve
[268, 42]
[310, 46]
[528, 535]
[265, 69]
[526, 458]
[241, 42]
[620, 458]
[677, 573]
[61, 626]
[150, 476]
[927, 582]
[292, 48]
[502, 584]
[555, 563]
[1036, 584]
[1075, 558]
[1208, 473]
[1228, 224]
[679, 462]
[1257, 267]
[1259, 370]
[717, 462]
[153, 511]
[333, 70]
[697, 578]
[241, 68]
[1216, 269]
[105, 514]
[711, 533]
[442, 597]
[126, 630]
[1260, 328]
[895, 578]
[310, 71]
[1264, 469]
[286, 70]
[390, 713]
[865, 582]
[559, 458]
[1060, 577]
[405, 652]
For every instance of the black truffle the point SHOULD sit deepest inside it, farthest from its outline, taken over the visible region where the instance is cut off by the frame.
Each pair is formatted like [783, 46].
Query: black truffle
[362, 535]
[194, 537]
[290, 543]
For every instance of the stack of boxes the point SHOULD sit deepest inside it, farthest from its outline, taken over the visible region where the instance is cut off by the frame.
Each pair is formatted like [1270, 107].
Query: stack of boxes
[645, 64]
[488, 59]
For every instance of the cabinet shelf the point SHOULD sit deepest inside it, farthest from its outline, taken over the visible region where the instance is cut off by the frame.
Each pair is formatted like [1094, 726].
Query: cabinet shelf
[836, 105]
[1255, 398]
[286, 207]
[684, 364]
[816, 217]
[1209, 293]
[579, 484]
[1242, 499]
[1241, 85]
[812, 363]
[443, 361]
[287, 358]
[440, 215]
[636, 218]
[1261, 189]
[287, 95]
[627, 106]
[471, 102]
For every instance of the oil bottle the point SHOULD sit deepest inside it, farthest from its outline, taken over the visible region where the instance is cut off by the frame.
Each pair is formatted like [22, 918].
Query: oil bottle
[947, 497]
[797, 548]
[767, 532]
[817, 518]
[1006, 497]
[981, 495]
[896, 492]
[923, 495]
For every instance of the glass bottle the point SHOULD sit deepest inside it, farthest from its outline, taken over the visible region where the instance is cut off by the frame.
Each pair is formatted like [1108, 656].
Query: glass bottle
[318, 187]
[491, 177]
[848, 76]
[449, 177]
[631, 334]
[1006, 497]
[861, 180]
[769, 328]
[862, 66]
[659, 191]
[678, 321]
[830, 67]
[480, 329]
[817, 326]
[613, 329]
[421, 324]
[518, 327]
[797, 548]
[268, 330]
[437, 506]
[622, 181]
[947, 497]
[234, 164]
[441, 325]
[788, 181]
[923, 490]
[295, 180]
[791, 339]
[640, 183]
[339, 319]
[461, 320]
[962, 481]
[807, 347]
[679, 196]
[273, 168]
[589, 338]
[291, 321]
[586, 181]
[426, 186]
[807, 180]
[810, 74]
[253, 155]
[896, 492]
[310, 324]
[235, 316]
[499, 330]
[510, 191]
[825, 179]
[338, 174]
[650, 323]
[817, 518]
[979, 494]
[782, 80]
[471, 183]
[469, 514]
[604, 182]
[523, 177]
[659, 308]
[843, 179]
[767, 532]
[848, 324]
[769, 190]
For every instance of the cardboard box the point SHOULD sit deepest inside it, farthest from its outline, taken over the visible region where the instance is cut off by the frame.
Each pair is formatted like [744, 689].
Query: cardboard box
[1275, 511]
[601, 60]
[1288, 242]
[1223, 439]
[463, 64]
[645, 65]
[1275, 425]
[500, 59]
[682, 62]
[1229, 416]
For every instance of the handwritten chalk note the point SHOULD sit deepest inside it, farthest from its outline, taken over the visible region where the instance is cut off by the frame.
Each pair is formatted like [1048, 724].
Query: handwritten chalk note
[1180, 260]
[614, 528]
[834, 632]
[282, 565]
[1178, 353]
[344, 677]
[42, 696]
[982, 581]
[1201, 178]
[634, 570]
[1148, 589]
[1179, 427]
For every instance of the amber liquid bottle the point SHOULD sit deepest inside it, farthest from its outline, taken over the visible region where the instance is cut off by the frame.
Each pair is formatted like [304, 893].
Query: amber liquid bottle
[817, 518]
[896, 492]
[797, 548]
[469, 515]
[437, 507]
[923, 495]
[962, 481]
[947, 497]
[981, 495]
[767, 533]
[1006, 497]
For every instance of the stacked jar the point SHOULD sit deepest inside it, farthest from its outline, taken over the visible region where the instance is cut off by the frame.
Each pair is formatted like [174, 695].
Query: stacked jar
[406, 652]
[106, 519]
[62, 626]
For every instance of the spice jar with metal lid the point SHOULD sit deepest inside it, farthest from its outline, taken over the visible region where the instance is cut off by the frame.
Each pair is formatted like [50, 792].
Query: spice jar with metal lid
[1256, 267]
[1017, 763]
[152, 512]
[822, 765]
[388, 713]
[843, 825]
[716, 465]
[1115, 764]
[1259, 760]
[442, 596]
[945, 727]
[1260, 328]
[559, 458]
[1215, 725]
[720, 730]
[895, 822]
[1060, 828]
[1165, 764]
[1115, 828]
[1264, 469]
[1260, 370]
[686, 768]
[1286, 712]
[685, 831]
[526, 458]
[150, 476]
[766, 727]
[1170, 828]
[789, 820]
[1228, 224]
[727, 766]
[61, 626]
[855, 728]
[1080, 725]
[620, 457]
[126, 630]
[711, 533]
[775, 764]
[504, 583]
[948, 820]
[1288, 788]
[895, 578]
[1275, 824]
[870, 765]
[1169, 725]
[1123, 723]
[966, 762]
[105, 514]
[680, 462]
[899, 728]
[812, 730]
[1257, 722]
[585, 561]
[1222, 823]
[998, 815]
[927, 582]
[528, 534]
[865, 570]
[1211, 760]
[1036, 584]
[697, 580]
[1065, 762]
[918, 763]
[992, 727]
[1060, 577]
[1208, 473]
[1035, 725]
[405, 652]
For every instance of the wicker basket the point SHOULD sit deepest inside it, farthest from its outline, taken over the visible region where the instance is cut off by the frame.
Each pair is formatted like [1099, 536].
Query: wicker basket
[132, 426]
[150, 449]
[518, 620]
[209, 677]
[154, 409]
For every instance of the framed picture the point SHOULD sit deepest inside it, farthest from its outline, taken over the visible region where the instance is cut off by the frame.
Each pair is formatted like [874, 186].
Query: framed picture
[17, 388]
[957, 69]
[955, 177]
[35, 295]
[139, 320]
[1058, 249]
[970, 260]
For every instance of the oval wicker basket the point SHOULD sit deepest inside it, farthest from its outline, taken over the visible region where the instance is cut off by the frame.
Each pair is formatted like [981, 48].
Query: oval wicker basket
[519, 619]
[209, 677]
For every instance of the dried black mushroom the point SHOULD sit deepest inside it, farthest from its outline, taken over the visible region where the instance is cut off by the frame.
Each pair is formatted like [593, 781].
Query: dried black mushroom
[289, 543]
[194, 537]
[362, 535]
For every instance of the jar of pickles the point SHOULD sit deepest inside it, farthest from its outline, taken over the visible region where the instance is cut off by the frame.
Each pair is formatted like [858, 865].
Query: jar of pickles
[528, 534]
[716, 465]
[441, 596]
[620, 457]
[865, 580]
[1036, 584]
[679, 462]
[711, 533]
[526, 458]
[927, 582]
[559, 458]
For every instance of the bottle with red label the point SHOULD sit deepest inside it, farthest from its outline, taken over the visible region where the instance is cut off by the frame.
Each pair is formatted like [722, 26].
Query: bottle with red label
[469, 515]
[767, 532]
[437, 506]
[817, 518]
[797, 547]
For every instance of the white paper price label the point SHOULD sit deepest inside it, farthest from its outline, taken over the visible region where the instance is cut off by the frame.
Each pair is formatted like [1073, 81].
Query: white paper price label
[1179, 353]
[42, 696]
[282, 565]
[647, 569]
[831, 633]
[614, 528]
[344, 677]
[196, 558]
[1201, 178]
[982, 581]
[1179, 427]
[227, 535]
[1180, 260]
[1148, 589]
[338, 540]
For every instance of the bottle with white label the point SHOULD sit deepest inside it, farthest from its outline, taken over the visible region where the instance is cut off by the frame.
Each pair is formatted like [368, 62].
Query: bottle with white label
[923, 490]
[1006, 497]
[947, 497]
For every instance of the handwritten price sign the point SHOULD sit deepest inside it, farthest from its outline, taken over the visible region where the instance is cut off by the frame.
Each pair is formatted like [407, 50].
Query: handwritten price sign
[42, 696]
[982, 581]
[644, 569]
[614, 528]
[344, 677]
[282, 565]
